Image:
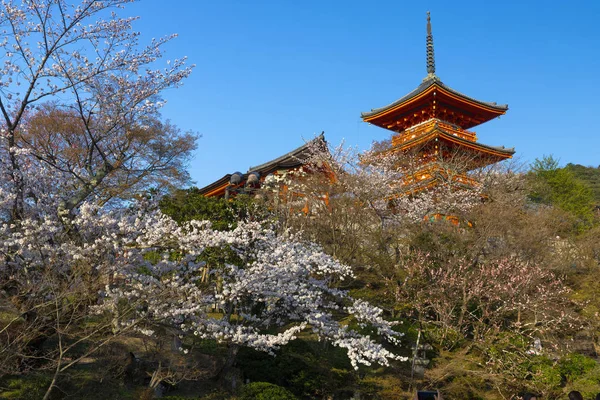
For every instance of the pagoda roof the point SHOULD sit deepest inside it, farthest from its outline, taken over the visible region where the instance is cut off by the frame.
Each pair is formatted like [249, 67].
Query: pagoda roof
[427, 83]
[431, 91]
[290, 160]
[437, 132]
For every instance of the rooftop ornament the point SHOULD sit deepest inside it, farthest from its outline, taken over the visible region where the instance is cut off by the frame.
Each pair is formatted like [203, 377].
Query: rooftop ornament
[430, 53]
[253, 178]
[236, 178]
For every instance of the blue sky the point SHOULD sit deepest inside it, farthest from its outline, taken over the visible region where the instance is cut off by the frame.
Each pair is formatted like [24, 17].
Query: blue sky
[271, 74]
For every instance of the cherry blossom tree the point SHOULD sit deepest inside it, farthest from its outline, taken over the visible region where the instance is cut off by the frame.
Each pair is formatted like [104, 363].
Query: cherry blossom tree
[474, 297]
[103, 88]
[71, 289]
[268, 282]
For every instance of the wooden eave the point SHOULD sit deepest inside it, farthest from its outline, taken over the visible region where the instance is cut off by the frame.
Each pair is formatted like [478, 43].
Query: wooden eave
[429, 101]
[439, 133]
[217, 188]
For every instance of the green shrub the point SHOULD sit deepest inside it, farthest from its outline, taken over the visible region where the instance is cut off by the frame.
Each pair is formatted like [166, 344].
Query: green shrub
[545, 375]
[189, 204]
[575, 366]
[31, 387]
[219, 395]
[265, 391]
[306, 368]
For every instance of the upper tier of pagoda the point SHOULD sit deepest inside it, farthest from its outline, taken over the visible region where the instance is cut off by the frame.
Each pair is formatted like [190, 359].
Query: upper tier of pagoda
[433, 100]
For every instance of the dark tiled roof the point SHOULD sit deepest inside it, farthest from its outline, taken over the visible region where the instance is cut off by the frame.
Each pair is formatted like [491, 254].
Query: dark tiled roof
[429, 81]
[292, 159]
[216, 184]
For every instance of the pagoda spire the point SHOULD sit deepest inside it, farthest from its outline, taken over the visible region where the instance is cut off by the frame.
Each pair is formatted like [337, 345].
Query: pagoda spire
[430, 54]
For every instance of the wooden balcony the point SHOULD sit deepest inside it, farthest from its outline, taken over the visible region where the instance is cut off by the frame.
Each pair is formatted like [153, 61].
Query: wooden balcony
[427, 126]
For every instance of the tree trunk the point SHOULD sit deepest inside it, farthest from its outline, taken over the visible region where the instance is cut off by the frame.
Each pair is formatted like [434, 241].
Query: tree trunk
[463, 308]
[17, 178]
[227, 376]
[53, 383]
[66, 208]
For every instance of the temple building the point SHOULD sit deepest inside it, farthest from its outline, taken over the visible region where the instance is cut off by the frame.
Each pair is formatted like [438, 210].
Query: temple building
[236, 183]
[434, 121]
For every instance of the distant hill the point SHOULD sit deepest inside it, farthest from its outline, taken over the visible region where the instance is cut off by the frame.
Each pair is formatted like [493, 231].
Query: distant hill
[590, 175]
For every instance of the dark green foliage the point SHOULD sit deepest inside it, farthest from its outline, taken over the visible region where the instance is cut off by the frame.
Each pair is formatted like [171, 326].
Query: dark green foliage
[574, 366]
[189, 204]
[84, 382]
[218, 396]
[27, 387]
[306, 367]
[589, 175]
[560, 187]
[571, 372]
[265, 391]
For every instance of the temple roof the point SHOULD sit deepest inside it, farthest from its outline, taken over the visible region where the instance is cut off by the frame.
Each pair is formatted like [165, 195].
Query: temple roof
[434, 99]
[217, 187]
[497, 151]
[290, 160]
[428, 82]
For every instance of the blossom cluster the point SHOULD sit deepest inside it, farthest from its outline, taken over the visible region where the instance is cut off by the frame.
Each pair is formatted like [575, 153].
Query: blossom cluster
[269, 281]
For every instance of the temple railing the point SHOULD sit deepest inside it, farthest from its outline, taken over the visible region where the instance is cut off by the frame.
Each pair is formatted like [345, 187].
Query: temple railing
[427, 126]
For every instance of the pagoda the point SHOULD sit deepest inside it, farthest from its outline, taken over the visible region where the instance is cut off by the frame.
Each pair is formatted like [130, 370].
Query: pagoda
[433, 121]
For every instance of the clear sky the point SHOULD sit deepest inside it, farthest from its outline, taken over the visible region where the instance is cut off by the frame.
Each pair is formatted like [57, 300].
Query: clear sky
[271, 74]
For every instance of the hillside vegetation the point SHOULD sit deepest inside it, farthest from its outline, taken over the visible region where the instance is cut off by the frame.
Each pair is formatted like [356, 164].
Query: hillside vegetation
[351, 277]
[589, 175]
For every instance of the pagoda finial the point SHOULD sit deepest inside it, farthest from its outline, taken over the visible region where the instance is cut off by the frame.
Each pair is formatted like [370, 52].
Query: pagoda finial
[430, 55]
